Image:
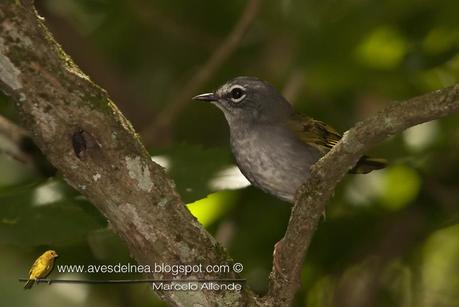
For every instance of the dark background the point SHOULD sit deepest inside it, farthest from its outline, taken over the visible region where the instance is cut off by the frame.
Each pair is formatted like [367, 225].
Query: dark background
[390, 238]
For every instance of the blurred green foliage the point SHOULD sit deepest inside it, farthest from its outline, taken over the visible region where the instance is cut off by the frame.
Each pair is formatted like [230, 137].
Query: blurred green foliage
[389, 238]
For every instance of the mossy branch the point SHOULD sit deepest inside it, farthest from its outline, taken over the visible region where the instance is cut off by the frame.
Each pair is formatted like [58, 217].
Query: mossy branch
[82, 133]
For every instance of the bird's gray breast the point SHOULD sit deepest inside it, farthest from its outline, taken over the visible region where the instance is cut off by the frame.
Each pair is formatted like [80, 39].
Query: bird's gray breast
[273, 159]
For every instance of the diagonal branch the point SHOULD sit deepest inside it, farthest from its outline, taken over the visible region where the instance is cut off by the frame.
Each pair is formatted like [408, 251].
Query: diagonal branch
[83, 134]
[215, 61]
[94, 147]
[329, 170]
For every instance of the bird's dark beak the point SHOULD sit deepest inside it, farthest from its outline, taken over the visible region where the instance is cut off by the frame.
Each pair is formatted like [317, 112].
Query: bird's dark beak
[206, 97]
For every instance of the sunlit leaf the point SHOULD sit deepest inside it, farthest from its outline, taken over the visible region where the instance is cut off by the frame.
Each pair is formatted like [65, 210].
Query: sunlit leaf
[401, 186]
[439, 282]
[214, 206]
[441, 39]
[383, 48]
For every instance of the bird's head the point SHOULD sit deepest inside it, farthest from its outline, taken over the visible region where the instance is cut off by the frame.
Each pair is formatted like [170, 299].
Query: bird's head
[50, 254]
[249, 100]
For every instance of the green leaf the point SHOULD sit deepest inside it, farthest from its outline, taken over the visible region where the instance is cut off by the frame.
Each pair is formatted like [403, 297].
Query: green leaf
[384, 48]
[214, 206]
[27, 219]
[192, 167]
[401, 186]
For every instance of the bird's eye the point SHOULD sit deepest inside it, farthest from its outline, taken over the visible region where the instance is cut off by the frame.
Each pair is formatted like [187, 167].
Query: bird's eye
[237, 94]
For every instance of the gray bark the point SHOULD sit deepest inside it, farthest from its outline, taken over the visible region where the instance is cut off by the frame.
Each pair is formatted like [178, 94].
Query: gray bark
[61, 106]
[96, 150]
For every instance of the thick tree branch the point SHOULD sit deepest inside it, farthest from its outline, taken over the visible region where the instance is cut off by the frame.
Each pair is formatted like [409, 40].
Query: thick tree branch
[96, 150]
[329, 170]
[218, 57]
[88, 140]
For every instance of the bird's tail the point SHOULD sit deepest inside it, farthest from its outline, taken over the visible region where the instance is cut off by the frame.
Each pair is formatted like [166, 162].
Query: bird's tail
[367, 164]
[29, 284]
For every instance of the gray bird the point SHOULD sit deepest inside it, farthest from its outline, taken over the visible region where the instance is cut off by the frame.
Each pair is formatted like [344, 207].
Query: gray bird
[274, 147]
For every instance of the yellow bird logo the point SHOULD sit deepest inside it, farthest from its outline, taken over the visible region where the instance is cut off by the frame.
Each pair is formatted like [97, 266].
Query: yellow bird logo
[41, 267]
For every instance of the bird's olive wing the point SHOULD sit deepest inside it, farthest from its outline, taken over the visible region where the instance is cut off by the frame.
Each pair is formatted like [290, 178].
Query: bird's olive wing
[314, 132]
[323, 137]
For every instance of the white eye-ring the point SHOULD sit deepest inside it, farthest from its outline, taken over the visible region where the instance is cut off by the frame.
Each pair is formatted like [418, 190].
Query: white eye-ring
[237, 93]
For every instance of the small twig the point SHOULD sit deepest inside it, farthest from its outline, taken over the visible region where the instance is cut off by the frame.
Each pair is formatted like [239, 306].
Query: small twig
[134, 193]
[293, 86]
[220, 55]
[130, 281]
[129, 98]
[155, 19]
[329, 170]
[83, 134]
